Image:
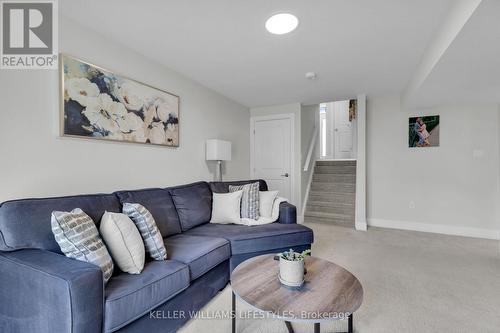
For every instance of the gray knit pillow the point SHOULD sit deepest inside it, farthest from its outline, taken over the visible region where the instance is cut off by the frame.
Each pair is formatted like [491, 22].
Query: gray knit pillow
[78, 238]
[249, 200]
[150, 233]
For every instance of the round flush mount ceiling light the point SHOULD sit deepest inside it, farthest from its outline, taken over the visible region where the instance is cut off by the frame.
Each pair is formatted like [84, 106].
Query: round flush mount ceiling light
[283, 23]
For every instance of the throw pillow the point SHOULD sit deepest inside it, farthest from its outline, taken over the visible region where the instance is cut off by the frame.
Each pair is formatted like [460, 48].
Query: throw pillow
[249, 199]
[123, 241]
[266, 201]
[150, 233]
[78, 238]
[226, 207]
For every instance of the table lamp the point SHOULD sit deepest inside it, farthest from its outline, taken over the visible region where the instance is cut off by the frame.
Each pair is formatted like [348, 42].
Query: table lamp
[218, 150]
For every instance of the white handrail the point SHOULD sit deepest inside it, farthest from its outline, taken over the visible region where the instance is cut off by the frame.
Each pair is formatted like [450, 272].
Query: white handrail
[311, 149]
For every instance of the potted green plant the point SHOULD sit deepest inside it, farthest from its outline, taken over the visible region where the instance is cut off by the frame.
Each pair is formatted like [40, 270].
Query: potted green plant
[292, 267]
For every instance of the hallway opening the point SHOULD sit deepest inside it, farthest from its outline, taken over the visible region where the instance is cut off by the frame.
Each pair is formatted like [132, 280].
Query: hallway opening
[337, 130]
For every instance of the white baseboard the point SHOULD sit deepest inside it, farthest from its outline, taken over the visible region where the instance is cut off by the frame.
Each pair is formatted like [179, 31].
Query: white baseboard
[361, 225]
[436, 228]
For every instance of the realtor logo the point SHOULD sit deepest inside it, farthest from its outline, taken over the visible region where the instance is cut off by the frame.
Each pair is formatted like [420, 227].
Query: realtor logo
[29, 39]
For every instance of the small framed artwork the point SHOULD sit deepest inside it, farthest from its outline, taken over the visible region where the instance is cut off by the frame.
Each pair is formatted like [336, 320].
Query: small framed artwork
[423, 132]
[99, 104]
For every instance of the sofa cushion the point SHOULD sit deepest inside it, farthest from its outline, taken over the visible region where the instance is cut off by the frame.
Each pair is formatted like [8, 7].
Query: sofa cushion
[26, 223]
[129, 296]
[198, 252]
[159, 202]
[223, 187]
[245, 239]
[193, 203]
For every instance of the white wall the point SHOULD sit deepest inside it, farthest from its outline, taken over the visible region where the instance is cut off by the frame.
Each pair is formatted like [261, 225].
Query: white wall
[309, 117]
[35, 161]
[295, 109]
[453, 192]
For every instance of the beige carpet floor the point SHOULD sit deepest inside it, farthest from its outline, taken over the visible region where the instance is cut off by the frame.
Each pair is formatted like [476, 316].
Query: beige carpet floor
[413, 282]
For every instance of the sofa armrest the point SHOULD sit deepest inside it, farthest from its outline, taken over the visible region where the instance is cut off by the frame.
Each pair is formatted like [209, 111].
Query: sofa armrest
[42, 291]
[288, 213]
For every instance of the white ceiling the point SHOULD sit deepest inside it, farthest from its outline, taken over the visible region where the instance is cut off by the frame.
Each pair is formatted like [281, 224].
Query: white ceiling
[469, 70]
[353, 45]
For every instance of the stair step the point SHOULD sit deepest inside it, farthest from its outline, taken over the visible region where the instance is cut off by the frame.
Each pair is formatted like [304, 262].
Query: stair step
[347, 210]
[335, 169]
[333, 187]
[328, 204]
[336, 163]
[334, 178]
[328, 218]
[327, 215]
[332, 197]
[332, 193]
[334, 221]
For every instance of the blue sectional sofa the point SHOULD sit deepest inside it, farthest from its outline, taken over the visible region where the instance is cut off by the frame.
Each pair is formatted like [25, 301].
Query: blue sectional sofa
[41, 290]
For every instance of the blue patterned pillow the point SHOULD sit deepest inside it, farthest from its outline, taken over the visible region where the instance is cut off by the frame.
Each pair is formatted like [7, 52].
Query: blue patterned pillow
[78, 238]
[249, 200]
[150, 233]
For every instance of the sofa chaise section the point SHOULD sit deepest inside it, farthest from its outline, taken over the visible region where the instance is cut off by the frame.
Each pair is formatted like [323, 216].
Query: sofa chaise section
[247, 242]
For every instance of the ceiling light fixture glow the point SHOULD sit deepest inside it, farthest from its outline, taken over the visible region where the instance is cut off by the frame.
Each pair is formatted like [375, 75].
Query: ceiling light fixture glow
[280, 24]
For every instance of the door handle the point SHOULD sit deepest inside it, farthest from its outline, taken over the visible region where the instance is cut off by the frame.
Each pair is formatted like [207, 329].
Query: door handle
[285, 175]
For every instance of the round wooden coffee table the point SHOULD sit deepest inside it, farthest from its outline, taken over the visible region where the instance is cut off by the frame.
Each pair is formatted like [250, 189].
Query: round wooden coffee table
[330, 292]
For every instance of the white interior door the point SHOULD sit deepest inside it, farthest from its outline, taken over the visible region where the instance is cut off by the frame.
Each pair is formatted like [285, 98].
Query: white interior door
[343, 130]
[272, 155]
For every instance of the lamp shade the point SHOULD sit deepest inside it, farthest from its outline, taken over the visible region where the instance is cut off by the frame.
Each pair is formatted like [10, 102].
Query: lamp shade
[218, 150]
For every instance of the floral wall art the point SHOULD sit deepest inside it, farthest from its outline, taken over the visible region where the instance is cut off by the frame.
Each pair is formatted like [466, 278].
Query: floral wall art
[99, 104]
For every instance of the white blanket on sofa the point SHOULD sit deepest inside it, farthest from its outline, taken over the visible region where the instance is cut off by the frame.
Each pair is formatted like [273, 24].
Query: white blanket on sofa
[266, 220]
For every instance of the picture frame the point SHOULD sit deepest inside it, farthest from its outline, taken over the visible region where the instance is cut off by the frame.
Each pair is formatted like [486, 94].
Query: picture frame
[96, 103]
[423, 131]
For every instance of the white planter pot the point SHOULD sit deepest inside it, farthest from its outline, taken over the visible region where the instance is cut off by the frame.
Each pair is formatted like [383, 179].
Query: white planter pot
[291, 272]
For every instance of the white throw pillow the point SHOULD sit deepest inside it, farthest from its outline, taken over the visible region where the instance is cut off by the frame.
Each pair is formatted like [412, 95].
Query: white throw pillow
[266, 201]
[226, 207]
[123, 241]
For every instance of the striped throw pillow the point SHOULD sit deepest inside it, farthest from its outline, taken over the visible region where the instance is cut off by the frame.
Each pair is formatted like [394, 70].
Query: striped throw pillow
[78, 238]
[150, 233]
[249, 200]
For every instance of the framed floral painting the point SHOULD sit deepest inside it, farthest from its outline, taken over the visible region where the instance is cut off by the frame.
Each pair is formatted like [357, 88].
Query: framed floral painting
[99, 104]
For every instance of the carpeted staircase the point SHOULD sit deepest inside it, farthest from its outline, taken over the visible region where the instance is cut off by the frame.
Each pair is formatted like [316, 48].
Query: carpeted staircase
[332, 194]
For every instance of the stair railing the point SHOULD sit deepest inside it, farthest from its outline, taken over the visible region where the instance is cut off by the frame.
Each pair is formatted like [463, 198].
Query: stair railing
[312, 144]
